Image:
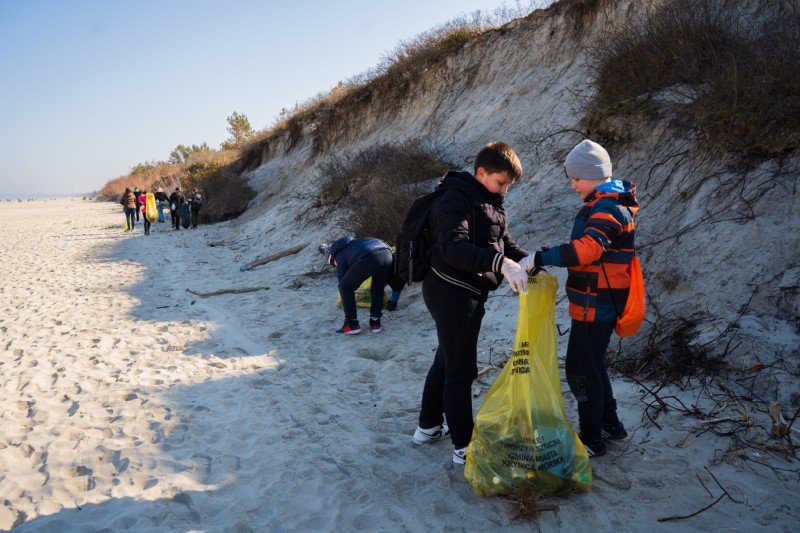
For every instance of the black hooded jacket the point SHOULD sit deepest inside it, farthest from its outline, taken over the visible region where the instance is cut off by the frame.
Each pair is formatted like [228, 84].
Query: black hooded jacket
[469, 225]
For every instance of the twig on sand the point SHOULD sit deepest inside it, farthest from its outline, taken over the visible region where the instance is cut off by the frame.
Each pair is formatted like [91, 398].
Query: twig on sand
[707, 507]
[204, 294]
[485, 370]
[527, 505]
[725, 419]
[258, 262]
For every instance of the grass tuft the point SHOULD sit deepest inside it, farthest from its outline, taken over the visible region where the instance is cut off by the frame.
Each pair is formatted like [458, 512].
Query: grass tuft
[737, 83]
[375, 186]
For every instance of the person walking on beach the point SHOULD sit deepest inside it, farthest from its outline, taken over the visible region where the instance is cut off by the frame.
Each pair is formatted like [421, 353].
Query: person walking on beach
[128, 202]
[473, 251]
[597, 257]
[175, 201]
[161, 201]
[142, 199]
[355, 261]
[195, 203]
[136, 193]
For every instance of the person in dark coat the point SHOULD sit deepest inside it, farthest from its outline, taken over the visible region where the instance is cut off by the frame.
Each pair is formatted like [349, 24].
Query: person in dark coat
[473, 253]
[195, 203]
[175, 201]
[136, 193]
[355, 261]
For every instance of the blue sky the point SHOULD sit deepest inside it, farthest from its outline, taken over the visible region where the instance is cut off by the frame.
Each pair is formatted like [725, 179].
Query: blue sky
[90, 88]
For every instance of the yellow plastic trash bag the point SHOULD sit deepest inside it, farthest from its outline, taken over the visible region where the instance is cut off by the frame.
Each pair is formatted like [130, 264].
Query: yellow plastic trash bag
[362, 295]
[522, 438]
[150, 207]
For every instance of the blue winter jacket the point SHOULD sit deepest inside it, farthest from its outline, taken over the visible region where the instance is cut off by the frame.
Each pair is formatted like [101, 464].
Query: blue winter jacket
[347, 251]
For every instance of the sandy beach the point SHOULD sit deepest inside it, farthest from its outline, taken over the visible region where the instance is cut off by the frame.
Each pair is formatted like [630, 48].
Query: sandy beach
[128, 403]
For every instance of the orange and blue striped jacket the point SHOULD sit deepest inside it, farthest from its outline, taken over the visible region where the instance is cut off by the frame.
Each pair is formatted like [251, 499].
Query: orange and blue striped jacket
[604, 230]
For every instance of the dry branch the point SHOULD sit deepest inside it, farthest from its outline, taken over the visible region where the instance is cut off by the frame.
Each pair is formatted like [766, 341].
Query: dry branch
[270, 258]
[204, 294]
[709, 506]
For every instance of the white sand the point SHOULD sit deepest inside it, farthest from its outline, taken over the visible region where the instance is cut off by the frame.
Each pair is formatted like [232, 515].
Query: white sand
[129, 404]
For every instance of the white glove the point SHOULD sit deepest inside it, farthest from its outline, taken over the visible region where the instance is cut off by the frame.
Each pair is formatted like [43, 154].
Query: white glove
[527, 262]
[516, 275]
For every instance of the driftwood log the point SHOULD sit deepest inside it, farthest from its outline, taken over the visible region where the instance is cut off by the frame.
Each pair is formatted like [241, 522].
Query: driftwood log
[263, 261]
[206, 294]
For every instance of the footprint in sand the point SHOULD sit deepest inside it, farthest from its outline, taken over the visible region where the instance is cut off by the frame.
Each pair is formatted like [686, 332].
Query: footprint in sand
[28, 407]
[86, 481]
[120, 463]
[25, 451]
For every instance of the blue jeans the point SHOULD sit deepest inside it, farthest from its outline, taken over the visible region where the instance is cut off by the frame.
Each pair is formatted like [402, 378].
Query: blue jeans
[130, 217]
[160, 206]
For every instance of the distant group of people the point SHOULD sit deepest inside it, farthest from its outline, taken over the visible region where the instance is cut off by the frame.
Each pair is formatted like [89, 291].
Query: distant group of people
[474, 252]
[134, 203]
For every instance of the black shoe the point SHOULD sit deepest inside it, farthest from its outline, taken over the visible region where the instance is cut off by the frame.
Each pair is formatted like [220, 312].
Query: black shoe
[391, 306]
[350, 327]
[596, 448]
[375, 325]
[613, 432]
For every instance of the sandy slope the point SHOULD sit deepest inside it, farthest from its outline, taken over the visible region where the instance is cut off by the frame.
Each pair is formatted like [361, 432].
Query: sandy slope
[129, 404]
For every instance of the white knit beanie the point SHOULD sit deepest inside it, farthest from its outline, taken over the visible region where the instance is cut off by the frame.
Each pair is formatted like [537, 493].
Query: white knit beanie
[588, 160]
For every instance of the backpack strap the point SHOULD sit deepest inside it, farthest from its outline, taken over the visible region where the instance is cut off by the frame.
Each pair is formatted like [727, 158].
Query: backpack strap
[610, 292]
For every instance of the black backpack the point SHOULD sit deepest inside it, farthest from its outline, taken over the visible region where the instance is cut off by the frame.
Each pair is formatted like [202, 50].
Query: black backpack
[415, 242]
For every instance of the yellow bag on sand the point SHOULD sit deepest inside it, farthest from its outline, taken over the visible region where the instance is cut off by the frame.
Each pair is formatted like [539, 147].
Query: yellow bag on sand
[522, 438]
[362, 295]
[150, 207]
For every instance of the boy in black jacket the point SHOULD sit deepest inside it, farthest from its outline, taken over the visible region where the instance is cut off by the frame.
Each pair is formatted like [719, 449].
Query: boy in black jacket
[473, 252]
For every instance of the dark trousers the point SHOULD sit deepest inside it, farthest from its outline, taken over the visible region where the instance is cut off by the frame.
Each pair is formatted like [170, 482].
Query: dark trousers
[195, 213]
[138, 206]
[377, 265]
[586, 373]
[146, 226]
[176, 220]
[448, 387]
[129, 217]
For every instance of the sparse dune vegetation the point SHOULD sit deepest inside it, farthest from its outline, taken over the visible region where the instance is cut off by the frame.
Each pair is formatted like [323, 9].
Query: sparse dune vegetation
[734, 82]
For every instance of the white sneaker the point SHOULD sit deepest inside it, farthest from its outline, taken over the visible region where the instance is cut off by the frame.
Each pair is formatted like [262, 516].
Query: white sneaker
[436, 433]
[460, 455]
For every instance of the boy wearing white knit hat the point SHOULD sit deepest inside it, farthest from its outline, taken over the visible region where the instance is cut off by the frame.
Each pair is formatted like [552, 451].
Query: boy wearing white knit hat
[598, 256]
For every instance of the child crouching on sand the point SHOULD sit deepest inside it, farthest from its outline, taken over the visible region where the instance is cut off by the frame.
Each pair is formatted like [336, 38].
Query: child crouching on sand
[355, 261]
[597, 257]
